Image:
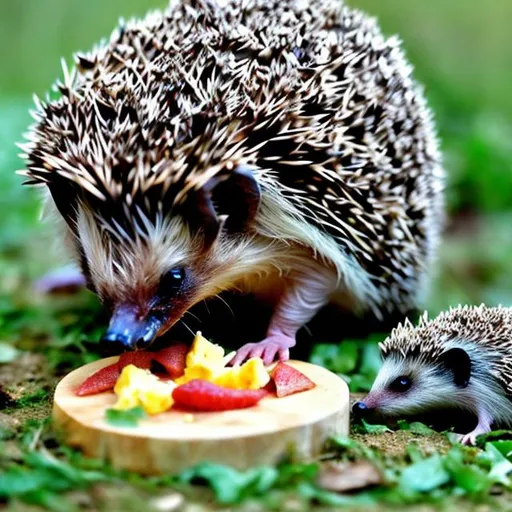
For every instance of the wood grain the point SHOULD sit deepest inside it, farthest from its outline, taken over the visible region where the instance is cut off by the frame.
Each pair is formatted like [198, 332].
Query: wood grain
[296, 425]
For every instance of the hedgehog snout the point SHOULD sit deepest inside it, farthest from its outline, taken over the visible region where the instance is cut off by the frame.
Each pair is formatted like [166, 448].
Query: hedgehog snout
[360, 409]
[129, 331]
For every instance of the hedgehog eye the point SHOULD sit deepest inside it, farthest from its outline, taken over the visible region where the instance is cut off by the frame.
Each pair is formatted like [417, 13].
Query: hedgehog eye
[172, 281]
[401, 384]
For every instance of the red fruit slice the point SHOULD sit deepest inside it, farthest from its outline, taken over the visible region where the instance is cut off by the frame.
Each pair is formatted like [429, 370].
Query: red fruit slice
[201, 395]
[102, 380]
[173, 359]
[288, 380]
[140, 359]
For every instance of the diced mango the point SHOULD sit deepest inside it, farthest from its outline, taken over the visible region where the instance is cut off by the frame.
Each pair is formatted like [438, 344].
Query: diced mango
[205, 361]
[204, 353]
[198, 372]
[158, 399]
[138, 387]
[251, 375]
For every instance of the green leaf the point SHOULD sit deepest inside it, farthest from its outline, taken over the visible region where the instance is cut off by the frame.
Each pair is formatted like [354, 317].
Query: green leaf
[414, 453]
[416, 427]
[128, 418]
[424, 476]
[231, 485]
[312, 492]
[501, 467]
[492, 436]
[468, 477]
[8, 353]
[42, 474]
[504, 447]
[292, 473]
[374, 429]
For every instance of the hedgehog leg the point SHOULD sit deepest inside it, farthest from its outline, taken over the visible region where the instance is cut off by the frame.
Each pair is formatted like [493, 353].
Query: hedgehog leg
[483, 426]
[61, 279]
[306, 293]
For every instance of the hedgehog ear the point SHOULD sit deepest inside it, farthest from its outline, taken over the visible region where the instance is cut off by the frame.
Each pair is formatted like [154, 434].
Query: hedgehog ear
[230, 200]
[458, 362]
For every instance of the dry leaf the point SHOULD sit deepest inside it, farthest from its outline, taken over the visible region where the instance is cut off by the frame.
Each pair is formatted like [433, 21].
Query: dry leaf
[348, 476]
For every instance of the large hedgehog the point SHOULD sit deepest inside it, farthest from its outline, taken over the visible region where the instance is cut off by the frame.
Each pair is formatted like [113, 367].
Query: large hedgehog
[255, 145]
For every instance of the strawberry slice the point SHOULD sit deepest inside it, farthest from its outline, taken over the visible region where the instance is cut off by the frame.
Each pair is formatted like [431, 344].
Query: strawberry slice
[201, 395]
[102, 380]
[140, 359]
[288, 380]
[173, 359]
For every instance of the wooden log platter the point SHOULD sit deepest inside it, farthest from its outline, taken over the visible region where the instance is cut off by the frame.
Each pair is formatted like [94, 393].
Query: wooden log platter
[295, 425]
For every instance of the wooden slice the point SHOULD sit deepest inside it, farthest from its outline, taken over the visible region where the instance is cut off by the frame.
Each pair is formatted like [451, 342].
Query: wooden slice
[296, 425]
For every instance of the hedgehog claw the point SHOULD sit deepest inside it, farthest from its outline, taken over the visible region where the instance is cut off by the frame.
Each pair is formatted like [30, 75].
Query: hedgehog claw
[484, 426]
[467, 439]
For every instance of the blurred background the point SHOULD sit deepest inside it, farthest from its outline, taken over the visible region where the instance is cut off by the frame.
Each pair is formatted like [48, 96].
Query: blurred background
[462, 53]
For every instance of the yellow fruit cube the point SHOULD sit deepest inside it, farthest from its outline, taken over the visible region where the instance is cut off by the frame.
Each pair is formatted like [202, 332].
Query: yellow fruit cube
[138, 387]
[205, 360]
[228, 378]
[205, 353]
[251, 375]
[158, 399]
[197, 372]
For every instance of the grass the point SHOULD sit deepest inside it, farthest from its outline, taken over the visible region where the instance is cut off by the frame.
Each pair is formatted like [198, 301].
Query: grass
[461, 53]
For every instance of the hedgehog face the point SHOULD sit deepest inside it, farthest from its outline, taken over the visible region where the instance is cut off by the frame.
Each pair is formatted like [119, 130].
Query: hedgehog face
[410, 385]
[147, 282]
[149, 269]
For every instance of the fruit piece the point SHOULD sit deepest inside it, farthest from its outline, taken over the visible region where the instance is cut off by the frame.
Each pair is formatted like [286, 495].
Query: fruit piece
[288, 380]
[251, 375]
[138, 387]
[205, 361]
[205, 353]
[140, 359]
[102, 380]
[198, 372]
[173, 359]
[200, 395]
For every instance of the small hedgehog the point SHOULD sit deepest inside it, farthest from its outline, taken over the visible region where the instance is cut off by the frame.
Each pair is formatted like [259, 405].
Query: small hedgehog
[460, 360]
[257, 146]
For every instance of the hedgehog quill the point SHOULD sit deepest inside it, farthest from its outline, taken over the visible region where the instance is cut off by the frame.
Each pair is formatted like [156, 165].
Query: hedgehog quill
[460, 360]
[252, 146]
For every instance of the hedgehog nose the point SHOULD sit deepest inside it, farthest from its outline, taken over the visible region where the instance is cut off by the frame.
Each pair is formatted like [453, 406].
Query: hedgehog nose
[130, 331]
[359, 409]
[115, 342]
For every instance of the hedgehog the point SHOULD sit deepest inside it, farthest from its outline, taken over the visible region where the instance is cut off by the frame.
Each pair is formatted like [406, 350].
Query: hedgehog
[279, 148]
[461, 360]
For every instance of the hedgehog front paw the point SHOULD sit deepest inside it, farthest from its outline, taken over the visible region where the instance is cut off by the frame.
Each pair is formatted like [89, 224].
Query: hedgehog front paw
[272, 348]
[467, 439]
[470, 438]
